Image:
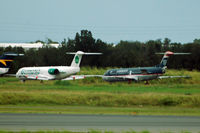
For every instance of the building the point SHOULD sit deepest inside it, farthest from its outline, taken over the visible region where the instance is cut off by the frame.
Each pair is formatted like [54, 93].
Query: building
[27, 46]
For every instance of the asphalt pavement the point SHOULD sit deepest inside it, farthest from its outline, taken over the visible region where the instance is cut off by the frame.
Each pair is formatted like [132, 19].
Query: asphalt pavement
[84, 123]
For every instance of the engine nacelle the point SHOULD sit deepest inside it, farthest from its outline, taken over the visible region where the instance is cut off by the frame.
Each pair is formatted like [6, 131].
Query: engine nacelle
[53, 71]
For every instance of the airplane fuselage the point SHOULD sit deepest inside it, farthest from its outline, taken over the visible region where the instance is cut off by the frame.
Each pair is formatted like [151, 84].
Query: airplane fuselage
[136, 74]
[46, 73]
[53, 72]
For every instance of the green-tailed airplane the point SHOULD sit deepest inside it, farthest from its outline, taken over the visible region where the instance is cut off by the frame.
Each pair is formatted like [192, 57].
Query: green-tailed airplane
[141, 73]
[52, 72]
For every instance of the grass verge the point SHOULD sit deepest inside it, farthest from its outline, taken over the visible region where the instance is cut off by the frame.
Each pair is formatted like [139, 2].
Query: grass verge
[90, 131]
[136, 110]
[179, 94]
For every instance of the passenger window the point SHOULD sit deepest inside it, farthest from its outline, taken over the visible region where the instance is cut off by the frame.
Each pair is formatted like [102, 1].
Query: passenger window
[136, 72]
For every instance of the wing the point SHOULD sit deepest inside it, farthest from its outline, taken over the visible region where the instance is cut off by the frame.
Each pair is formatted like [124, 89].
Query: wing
[126, 77]
[9, 75]
[74, 77]
[164, 77]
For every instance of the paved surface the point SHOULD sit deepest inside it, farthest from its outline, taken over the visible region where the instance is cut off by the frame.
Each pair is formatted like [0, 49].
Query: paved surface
[35, 122]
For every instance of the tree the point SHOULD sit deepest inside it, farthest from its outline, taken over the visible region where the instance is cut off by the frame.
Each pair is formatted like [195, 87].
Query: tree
[49, 41]
[166, 44]
[123, 54]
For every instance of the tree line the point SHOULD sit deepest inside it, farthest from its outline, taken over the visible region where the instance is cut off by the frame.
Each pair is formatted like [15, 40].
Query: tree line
[123, 54]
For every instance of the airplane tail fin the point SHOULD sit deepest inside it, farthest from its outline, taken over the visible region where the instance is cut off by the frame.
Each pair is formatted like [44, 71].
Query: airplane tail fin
[78, 56]
[167, 54]
[7, 58]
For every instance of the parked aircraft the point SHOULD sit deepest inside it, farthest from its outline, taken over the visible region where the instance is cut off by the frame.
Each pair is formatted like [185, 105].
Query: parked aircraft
[141, 73]
[52, 72]
[5, 61]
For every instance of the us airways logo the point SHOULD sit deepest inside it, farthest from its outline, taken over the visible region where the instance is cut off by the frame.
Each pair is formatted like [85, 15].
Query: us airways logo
[4, 61]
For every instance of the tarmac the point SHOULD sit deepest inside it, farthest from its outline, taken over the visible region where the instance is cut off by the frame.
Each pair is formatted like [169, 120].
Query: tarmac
[84, 123]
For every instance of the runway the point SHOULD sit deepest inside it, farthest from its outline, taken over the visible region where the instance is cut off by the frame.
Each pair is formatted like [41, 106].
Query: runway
[35, 122]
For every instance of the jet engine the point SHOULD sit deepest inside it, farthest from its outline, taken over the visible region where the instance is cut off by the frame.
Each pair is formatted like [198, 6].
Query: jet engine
[53, 71]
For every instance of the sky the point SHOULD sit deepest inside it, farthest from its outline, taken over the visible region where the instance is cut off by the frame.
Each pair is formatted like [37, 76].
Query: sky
[108, 20]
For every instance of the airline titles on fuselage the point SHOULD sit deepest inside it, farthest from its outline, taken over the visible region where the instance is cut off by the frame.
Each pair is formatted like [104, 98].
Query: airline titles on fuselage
[30, 72]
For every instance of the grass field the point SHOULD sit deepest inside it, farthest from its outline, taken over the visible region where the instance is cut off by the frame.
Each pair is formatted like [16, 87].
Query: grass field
[159, 97]
[91, 131]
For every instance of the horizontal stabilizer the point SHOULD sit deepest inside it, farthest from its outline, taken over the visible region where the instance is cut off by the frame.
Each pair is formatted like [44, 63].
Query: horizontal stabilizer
[7, 58]
[167, 54]
[13, 54]
[83, 53]
[175, 53]
[165, 77]
[78, 56]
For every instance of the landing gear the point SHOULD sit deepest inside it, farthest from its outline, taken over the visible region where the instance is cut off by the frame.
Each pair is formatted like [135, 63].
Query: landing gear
[23, 81]
[41, 81]
[146, 82]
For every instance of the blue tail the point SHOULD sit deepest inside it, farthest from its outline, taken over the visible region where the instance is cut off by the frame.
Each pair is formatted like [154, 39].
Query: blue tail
[163, 62]
[7, 58]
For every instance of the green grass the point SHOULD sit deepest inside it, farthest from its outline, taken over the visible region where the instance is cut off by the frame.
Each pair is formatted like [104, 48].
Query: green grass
[94, 92]
[63, 97]
[97, 85]
[135, 110]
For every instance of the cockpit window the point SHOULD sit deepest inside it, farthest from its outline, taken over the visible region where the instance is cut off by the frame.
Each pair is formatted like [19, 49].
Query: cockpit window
[110, 73]
[113, 72]
[106, 73]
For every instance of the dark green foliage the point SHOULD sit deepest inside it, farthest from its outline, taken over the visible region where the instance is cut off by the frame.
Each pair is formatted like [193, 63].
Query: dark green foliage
[123, 54]
[168, 101]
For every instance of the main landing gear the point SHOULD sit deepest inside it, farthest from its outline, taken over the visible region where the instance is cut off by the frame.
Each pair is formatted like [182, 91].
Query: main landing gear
[23, 81]
[146, 82]
[129, 81]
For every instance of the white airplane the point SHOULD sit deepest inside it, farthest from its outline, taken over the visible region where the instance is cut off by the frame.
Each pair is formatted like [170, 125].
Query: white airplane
[5, 61]
[52, 72]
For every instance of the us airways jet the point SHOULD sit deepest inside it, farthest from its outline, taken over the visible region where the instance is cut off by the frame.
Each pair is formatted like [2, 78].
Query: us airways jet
[141, 73]
[52, 72]
[5, 61]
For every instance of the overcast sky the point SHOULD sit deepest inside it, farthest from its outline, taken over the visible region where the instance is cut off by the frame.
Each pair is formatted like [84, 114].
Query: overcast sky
[108, 20]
